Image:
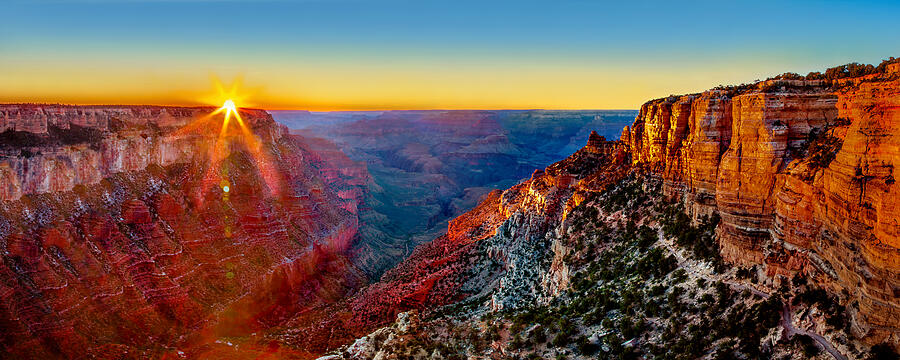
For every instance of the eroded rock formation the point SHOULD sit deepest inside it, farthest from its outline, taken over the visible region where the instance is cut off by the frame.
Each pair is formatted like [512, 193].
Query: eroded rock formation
[124, 232]
[802, 174]
[489, 254]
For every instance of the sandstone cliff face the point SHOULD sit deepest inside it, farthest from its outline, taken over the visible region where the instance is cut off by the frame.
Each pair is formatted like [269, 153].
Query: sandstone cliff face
[127, 243]
[753, 156]
[39, 119]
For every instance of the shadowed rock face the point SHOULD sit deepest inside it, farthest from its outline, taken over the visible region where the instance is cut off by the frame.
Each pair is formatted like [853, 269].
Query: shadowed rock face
[802, 174]
[124, 242]
[490, 250]
[427, 167]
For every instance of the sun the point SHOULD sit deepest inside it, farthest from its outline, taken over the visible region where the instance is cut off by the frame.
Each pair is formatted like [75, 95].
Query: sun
[229, 105]
[223, 92]
[230, 110]
[231, 138]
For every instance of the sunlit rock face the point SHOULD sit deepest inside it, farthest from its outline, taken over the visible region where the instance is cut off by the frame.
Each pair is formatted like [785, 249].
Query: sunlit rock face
[746, 154]
[122, 241]
[764, 129]
[42, 119]
[52, 148]
[499, 252]
[690, 161]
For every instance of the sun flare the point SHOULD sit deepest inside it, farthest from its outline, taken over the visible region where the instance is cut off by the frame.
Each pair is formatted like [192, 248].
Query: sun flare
[229, 105]
[222, 147]
[230, 109]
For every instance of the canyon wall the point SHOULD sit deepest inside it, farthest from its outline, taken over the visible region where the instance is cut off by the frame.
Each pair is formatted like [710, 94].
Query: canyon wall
[422, 168]
[147, 232]
[493, 253]
[52, 148]
[802, 174]
[41, 118]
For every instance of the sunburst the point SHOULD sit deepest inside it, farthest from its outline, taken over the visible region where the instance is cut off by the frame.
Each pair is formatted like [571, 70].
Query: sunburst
[230, 109]
[231, 98]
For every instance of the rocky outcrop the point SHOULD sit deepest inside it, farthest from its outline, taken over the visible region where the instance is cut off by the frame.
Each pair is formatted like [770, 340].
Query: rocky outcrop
[493, 254]
[424, 168]
[155, 235]
[802, 174]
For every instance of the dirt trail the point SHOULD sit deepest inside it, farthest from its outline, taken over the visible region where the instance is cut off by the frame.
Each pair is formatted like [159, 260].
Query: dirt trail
[786, 320]
[790, 330]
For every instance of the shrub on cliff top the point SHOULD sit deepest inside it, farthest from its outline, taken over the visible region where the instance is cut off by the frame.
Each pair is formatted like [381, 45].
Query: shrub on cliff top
[849, 70]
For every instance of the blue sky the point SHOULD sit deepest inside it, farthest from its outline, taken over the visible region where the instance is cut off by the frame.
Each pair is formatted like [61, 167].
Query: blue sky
[681, 44]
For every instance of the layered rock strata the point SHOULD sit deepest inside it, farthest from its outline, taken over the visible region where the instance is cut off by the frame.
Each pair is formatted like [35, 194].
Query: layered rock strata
[801, 173]
[157, 234]
[53, 148]
[490, 253]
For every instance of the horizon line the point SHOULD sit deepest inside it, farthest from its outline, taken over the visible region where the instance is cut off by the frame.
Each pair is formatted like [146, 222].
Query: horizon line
[315, 111]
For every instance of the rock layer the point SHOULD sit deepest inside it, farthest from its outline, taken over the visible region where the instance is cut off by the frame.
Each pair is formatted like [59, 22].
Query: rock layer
[53, 148]
[491, 250]
[753, 156]
[127, 243]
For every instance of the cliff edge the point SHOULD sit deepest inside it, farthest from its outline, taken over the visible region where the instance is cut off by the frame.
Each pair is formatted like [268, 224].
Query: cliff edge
[148, 232]
[801, 170]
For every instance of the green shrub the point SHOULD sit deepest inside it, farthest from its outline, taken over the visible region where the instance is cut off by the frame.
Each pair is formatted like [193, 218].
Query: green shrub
[806, 344]
[883, 351]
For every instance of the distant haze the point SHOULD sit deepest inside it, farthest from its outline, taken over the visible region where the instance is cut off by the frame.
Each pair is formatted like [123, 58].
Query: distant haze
[425, 167]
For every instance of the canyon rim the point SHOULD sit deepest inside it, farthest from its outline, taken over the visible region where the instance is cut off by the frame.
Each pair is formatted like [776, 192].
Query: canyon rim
[448, 180]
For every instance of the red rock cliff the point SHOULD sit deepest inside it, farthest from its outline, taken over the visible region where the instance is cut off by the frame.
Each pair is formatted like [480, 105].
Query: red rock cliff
[52, 148]
[119, 239]
[801, 172]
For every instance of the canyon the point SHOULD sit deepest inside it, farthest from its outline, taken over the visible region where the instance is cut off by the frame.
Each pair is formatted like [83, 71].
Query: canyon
[424, 168]
[796, 171]
[127, 234]
[747, 221]
[128, 231]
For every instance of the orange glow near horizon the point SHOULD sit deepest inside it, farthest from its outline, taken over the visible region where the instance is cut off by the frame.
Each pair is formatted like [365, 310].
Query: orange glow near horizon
[229, 109]
[315, 85]
[217, 174]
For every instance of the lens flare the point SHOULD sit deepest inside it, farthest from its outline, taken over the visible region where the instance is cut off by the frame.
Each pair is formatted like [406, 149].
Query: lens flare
[229, 105]
[230, 109]
[231, 137]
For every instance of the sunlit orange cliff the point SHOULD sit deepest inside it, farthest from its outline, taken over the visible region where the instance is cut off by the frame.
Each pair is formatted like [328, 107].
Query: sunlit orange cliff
[801, 171]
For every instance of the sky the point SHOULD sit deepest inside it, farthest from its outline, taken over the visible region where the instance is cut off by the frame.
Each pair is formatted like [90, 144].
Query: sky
[372, 55]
